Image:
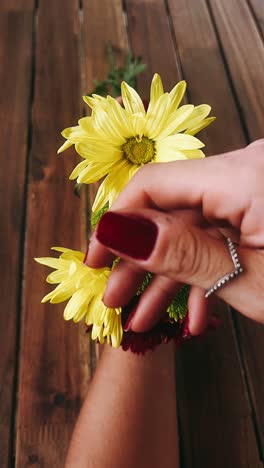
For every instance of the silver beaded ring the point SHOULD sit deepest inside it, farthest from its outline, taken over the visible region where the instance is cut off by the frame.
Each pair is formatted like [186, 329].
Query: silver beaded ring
[229, 276]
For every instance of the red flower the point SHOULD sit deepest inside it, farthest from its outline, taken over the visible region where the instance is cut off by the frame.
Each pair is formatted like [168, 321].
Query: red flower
[165, 331]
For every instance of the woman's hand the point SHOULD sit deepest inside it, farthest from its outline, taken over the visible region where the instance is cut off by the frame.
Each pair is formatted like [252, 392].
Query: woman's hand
[171, 219]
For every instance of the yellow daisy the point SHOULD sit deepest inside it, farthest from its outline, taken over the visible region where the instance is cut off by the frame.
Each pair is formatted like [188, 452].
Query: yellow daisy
[84, 287]
[115, 141]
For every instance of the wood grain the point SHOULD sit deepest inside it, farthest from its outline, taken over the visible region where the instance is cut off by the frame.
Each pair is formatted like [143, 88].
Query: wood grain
[257, 8]
[103, 26]
[217, 46]
[245, 59]
[99, 32]
[244, 54]
[150, 37]
[204, 368]
[16, 24]
[54, 356]
[203, 68]
[201, 57]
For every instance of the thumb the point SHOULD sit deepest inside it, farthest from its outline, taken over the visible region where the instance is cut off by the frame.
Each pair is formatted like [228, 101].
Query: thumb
[164, 244]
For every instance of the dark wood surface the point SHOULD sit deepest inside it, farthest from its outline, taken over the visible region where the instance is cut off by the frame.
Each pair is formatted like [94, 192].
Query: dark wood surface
[50, 52]
[53, 355]
[15, 97]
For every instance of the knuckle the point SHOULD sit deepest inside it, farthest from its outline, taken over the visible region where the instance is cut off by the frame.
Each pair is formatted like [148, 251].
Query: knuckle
[184, 256]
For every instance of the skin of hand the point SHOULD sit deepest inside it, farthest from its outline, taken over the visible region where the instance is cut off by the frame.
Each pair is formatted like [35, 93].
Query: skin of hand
[192, 205]
[129, 416]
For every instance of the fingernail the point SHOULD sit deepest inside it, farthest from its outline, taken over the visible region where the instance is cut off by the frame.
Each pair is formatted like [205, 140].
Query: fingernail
[86, 255]
[132, 235]
[128, 323]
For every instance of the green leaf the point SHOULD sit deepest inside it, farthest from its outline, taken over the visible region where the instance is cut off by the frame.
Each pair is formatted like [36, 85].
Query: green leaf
[112, 84]
[97, 215]
[177, 310]
[100, 88]
[145, 283]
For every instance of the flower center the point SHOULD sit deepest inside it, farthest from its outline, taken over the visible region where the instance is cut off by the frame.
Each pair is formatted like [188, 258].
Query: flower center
[139, 151]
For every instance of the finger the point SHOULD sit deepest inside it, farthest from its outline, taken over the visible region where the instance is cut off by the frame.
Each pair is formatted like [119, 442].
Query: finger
[233, 234]
[99, 256]
[198, 311]
[207, 184]
[153, 304]
[162, 244]
[123, 284]
[186, 254]
[98, 251]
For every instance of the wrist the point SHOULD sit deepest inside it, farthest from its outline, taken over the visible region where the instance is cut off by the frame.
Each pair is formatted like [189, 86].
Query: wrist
[157, 362]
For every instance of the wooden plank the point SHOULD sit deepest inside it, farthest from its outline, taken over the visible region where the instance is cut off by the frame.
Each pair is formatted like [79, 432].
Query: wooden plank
[194, 18]
[203, 69]
[246, 70]
[212, 400]
[257, 7]
[147, 24]
[54, 355]
[100, 32]
[245, 59]
[16, 21]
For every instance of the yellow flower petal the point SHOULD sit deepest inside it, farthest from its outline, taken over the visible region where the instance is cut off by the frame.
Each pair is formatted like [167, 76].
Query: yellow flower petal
[67, 144]
[105, 127]
[57, 276]
[156, 89]
[200, 126]
[69, 253]
[157, 117]
[180, 142]
[138, 125]
[177, 94]
[78, 169]
[175, 120]
[74, 134]
[89, 101]
[120, 117]
[131, 100]
[199, 113]
[169, 155]
[77, 304]
[95, 101]
[112, 185]
[94, 172]
[194, 154]
[98, 151]
[112, 135]
[84, 287]
[48, 261]
[86, 125]
[60, 294]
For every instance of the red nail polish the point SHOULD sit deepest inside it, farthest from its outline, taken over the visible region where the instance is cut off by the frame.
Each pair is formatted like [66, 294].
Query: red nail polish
[128, 323]
[132, 235]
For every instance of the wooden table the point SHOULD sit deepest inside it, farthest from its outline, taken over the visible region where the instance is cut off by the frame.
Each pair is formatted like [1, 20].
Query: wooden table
[50, 51]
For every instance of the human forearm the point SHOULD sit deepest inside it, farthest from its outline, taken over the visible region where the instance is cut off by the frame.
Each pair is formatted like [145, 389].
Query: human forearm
[129, 416]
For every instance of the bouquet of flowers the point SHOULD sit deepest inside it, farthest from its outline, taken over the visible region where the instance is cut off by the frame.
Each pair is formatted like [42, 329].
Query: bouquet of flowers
[115, 141]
